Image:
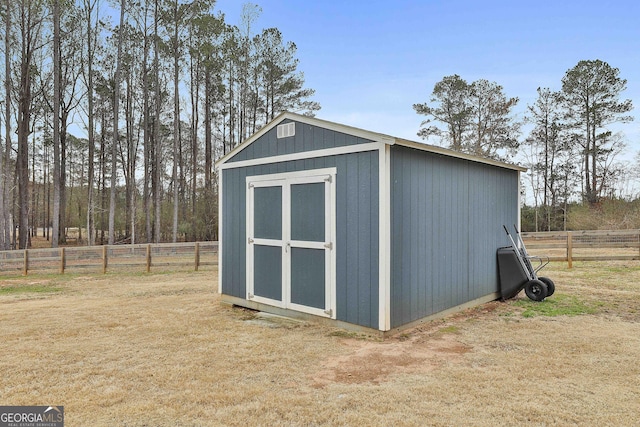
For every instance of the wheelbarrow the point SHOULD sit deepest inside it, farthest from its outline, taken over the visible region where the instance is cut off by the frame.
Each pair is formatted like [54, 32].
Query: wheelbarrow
[517, 271]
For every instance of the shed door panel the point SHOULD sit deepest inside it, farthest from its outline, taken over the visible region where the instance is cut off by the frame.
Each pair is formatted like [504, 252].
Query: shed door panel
[267, 264]
[266, 242]
[308, 277]
[309, 244]
[268, 207]
[308, 212]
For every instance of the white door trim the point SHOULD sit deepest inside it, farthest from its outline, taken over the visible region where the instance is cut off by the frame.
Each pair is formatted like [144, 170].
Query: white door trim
[286, 180]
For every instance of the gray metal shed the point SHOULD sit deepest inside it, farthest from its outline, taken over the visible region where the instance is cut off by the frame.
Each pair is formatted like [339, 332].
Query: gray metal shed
[359, 228]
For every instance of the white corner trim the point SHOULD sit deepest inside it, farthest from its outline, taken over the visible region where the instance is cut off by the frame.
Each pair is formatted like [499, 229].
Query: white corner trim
[220, 228]
[384, 218]
[519, 202]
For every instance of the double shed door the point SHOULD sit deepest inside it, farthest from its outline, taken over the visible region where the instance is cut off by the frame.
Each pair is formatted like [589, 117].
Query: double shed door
[290, 241]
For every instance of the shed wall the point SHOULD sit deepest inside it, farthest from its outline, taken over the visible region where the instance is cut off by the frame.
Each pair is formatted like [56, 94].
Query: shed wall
[357, 229]
[446, 224]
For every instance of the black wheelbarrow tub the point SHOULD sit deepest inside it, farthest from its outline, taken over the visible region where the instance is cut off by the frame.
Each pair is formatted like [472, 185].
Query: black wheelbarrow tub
[512, 276]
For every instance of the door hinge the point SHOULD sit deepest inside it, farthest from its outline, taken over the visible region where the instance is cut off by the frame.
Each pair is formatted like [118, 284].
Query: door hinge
[329, 245]
[249, 240]
[329, 179]
[249, 296]
[250, 185]
[329, 312]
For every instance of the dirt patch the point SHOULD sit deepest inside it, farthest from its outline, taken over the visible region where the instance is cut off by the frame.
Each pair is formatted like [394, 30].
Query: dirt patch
[270, 320]
[378, 361]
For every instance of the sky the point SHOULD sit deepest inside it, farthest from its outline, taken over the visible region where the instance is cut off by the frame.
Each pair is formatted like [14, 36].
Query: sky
[370, 61]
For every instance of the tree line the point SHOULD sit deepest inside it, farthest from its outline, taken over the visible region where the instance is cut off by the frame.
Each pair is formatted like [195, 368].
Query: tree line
[570, 150]
[160, 94]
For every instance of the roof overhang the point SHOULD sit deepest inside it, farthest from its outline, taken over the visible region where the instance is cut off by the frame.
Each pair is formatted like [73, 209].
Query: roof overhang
[365, 134]
[456, 154]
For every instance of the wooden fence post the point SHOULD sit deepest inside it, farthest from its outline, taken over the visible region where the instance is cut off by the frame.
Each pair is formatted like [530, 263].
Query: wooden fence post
[25, 268]
[197, 255]
[569, 249]
[148, 258]
[104, 259]
[63, 261]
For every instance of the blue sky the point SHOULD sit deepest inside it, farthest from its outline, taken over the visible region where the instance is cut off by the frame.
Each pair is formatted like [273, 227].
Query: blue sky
[370, 61]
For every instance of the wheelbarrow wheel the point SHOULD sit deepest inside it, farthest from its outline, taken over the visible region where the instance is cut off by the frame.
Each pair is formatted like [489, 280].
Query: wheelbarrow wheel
[551, 287]
[536, 290]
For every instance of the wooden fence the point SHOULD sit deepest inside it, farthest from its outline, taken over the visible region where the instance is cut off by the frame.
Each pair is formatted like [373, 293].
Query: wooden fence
[566, 246]
[598, 245]
[140, 257]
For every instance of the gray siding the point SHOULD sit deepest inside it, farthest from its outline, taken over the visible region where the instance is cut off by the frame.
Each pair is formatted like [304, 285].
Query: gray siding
[307, 138]
[357, 230]
[446, 224]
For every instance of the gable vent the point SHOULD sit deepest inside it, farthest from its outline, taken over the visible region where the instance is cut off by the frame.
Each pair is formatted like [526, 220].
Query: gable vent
[286, 130]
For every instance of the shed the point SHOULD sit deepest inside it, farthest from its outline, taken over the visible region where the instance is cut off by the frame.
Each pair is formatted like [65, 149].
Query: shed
[362, 229]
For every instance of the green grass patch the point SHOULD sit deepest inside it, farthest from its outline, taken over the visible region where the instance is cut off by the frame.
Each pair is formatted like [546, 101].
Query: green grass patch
[41, 277]
[557, 305]
[29, 289]
[449, 330]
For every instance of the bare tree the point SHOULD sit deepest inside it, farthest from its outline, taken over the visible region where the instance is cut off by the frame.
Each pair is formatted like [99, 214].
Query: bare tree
[549, 150]
[282, 83]
[493, 127]
[31, 17]
[88, 70]
[57, 179]
[5, 236]
[591, 92]
[116, 133]
[477, 116]
[452, 108]
[157, 145]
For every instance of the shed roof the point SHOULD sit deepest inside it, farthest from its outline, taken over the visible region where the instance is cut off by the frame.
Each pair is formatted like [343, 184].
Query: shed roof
[362, 133]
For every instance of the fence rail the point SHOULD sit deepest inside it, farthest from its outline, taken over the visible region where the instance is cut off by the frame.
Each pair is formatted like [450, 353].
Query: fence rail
[588, 245]
[143, 257]
[565, 246]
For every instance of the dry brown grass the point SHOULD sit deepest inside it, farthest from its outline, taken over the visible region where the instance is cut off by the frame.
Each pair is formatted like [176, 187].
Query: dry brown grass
[160, 350]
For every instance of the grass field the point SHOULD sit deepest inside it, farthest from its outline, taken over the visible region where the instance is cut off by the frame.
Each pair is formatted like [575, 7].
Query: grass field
[160, 350]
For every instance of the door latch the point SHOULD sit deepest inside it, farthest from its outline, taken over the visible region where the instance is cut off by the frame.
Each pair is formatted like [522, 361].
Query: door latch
[329, 245]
